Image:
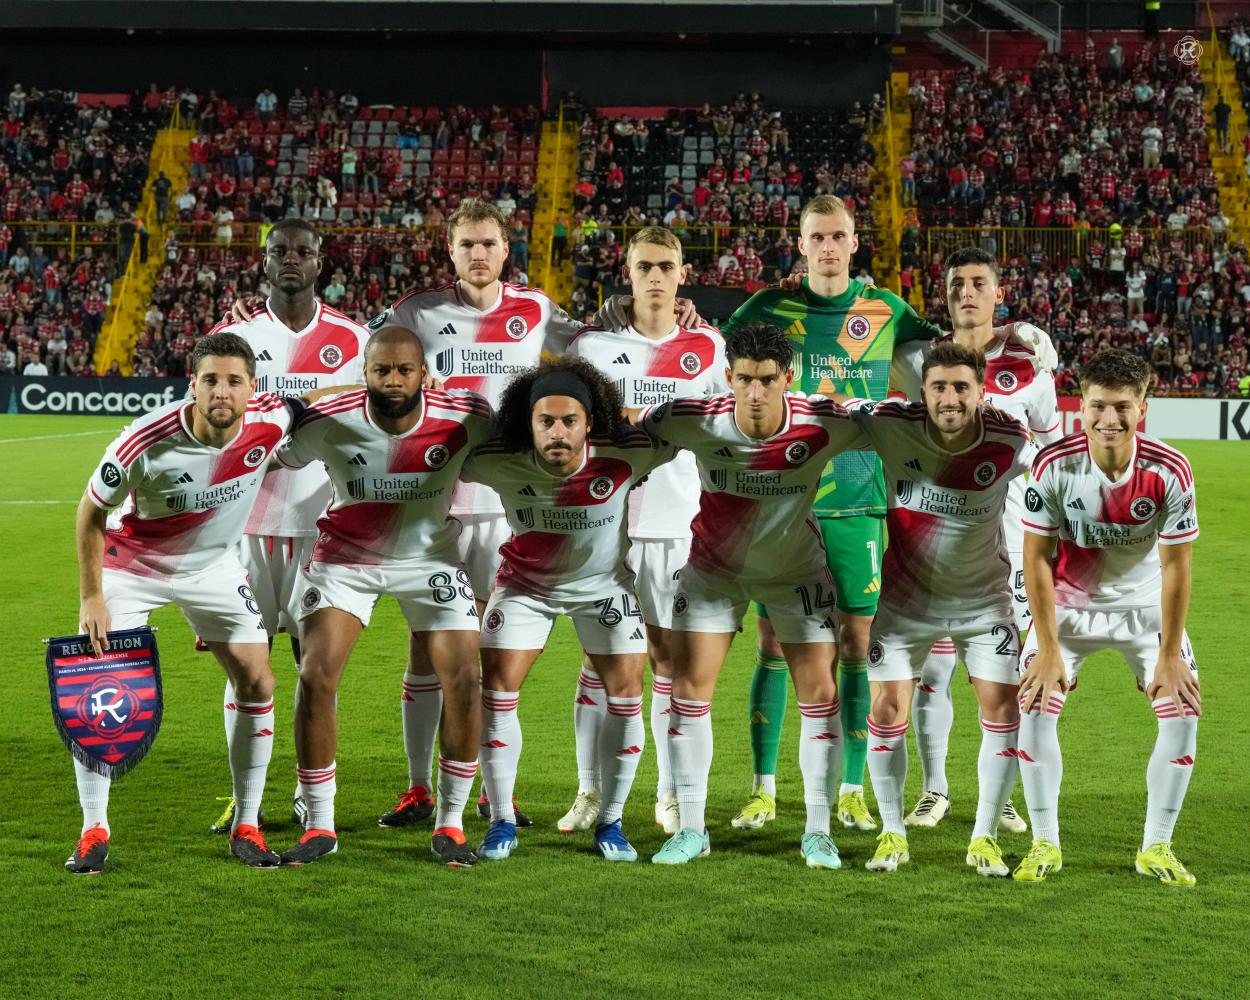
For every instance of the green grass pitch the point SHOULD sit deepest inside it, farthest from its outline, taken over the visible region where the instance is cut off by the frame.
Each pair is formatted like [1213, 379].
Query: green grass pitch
[174, 915]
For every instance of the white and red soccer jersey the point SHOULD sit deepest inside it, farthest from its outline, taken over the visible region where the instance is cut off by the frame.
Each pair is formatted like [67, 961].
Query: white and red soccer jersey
[684, 363]
[946, 557]
[190, 502]
[329, 351]
[755, 519]
[569, 533]
[1014, 385]
[1106, 557]
[391, 492]
[481, 349]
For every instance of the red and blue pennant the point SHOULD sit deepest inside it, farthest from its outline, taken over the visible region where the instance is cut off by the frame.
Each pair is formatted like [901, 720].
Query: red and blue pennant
[107, 708]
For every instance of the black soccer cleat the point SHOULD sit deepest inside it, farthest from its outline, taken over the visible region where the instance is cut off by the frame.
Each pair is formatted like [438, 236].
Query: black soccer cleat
[90, 853]
[522, 820]
[313, 846]
[247, 844]
[413, 806]
[450, 847]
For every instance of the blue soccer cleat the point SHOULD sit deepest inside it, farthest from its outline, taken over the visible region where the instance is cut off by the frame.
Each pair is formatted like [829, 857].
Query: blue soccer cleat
[499, 843]
[611, 842]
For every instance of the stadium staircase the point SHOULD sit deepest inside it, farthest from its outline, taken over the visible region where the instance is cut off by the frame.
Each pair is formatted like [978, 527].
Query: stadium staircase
[133, 292]
[554, 181]
[1219, 75]
[890, 140]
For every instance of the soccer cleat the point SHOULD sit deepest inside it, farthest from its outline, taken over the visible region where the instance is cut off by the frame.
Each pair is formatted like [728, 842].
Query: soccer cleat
[224, 822]
[682, 847]
[612, 844]
[891, 852]
[413, 806]
[90, 853]
[247, 844]
[582, 814]
[1159, 861]
[450, 847]
[929, 811]
[299, 811]
[1012, 821]
[853, 811]
[819, 851]
[499, 843]
[313, 846]
[1043, 859]
[523, 822]
[667, 815]
[985, 856]
[761, 808]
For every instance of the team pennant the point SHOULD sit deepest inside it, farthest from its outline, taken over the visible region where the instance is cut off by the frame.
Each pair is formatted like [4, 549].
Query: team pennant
[106, 708]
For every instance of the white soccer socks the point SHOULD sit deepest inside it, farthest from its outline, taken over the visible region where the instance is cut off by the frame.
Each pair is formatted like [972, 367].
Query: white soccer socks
[251, 748]
[455, 782]
[690, 755]
[93, 796]
[997, 767]
[421, 706]
[820, 760]
[501, 751]
[590, 707]
[934, 712]
[317, 787]
[887, 765]
[1041, 765]
[1171, 764]
[661, 709]
[622, 737]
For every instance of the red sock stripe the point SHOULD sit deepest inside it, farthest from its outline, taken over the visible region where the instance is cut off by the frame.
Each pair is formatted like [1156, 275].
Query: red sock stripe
[315, 777]
[691, 709]
[499, 702]
[1000, 727]
[819, 709]
[887, 732]
[1053, 707]
[422, 688]
[253, 709]
[943, 647]
[1164, 709]
[458, 768]
[589, 681]
[659, 686]
[625, 709]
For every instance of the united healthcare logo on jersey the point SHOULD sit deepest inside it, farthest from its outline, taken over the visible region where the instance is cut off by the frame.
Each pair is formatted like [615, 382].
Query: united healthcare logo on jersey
[719, 478]
[356, 488]
[526, 516]
[903, 490]
[444, 363]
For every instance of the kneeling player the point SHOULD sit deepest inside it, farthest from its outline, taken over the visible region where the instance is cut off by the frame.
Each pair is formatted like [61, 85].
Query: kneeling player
[563, 466]
[194, 471]
[950, 460]
[760, 451]
[1123, 509]
[393, 452]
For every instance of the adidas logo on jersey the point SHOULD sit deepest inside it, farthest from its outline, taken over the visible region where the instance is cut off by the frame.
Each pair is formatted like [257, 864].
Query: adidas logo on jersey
[184, 478]
[637, 634]
[447, 331]
[723, 453]
[621, 359]
[1077, 504]
[264, 356]
[914, 465]
[356, 459]
[527, 491]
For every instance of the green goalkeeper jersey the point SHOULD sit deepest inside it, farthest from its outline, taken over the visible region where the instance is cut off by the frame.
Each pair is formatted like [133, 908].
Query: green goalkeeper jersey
[845, 345]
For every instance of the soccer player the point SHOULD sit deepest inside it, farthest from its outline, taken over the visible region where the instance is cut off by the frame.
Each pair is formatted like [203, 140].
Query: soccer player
[300, 344]
[760, 452]
[1016, 384]
[950, 460]
[193, 470]
[1110, 519]
[653, 359]
[564, 464]
[393, 452]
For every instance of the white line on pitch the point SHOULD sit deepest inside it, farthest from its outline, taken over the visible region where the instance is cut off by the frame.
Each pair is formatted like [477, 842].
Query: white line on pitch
[53, 437]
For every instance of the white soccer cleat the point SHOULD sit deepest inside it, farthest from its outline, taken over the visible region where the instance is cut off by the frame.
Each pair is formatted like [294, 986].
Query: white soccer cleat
[929, 811]
[582, 814]
[1012, 821]
[667, 815]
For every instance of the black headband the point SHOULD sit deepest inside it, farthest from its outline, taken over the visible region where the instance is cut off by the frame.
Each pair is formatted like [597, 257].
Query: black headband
[560, 383]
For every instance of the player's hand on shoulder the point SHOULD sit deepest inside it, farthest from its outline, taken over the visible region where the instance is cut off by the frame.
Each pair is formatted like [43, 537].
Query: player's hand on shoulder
[1043, 675]
[615, 313]
[1045, 357]
[431, 382]
[246, 308]
[687, 315]
[1174, 679]
[792, 282]
[94, 622]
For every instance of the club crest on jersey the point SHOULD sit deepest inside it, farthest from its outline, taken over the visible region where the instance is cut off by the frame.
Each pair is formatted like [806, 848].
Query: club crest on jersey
[681, 604]
[331, 356]
[1143, 508]
[1027, 662]
[601, 487]
[858, 327]
[254, 457]
[494, 621]
[876, 653]
[436, 456]
[1006, 381]
[690, 363]
[517, 327]
[1032, 500]
[796, 453]
[111, 474]
[985, 473]
[311, 598]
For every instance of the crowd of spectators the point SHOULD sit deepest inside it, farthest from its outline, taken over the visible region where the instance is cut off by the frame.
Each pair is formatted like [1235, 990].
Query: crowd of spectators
[1238, 37]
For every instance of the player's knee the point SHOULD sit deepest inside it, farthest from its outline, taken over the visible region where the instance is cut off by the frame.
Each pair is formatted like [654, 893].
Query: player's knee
[891, 705]
[254, 685]
[462, 691]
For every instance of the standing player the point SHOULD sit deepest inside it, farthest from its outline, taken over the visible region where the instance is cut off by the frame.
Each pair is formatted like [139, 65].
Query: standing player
[1123, 510]
[652, 360]
[760, 452]
[193, 470]
[300, 344]
[950, 460]
[1014, 384]
[393, 452]
[564, 467]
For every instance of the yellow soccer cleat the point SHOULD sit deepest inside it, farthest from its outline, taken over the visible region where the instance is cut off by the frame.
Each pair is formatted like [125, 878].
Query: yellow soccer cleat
[853, 811]
[891, 852]
[1042, 859]
[761, 808]
[1159, 861]
[985, 856]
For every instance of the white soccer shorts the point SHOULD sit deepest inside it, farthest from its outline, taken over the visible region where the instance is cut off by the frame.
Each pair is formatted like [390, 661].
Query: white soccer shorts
[481, 537]
[434, 596]
[273, 565]
[607, 625]
[656, 564]
[217, 602]
[800, 609]
[987, 644]
[1134, 634]
[1019, 599]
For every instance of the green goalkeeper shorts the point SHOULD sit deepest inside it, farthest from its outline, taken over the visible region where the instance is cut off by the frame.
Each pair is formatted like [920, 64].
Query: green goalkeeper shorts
[853, 549]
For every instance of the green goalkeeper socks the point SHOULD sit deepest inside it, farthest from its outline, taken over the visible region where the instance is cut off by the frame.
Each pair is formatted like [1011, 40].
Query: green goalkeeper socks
[770, 689]
[856, 701]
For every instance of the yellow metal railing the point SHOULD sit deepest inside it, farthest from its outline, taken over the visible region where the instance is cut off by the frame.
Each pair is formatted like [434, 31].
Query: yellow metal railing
[1054, 241]
[894, 222]
[558, 187]
[710, 237]
[75, 235]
